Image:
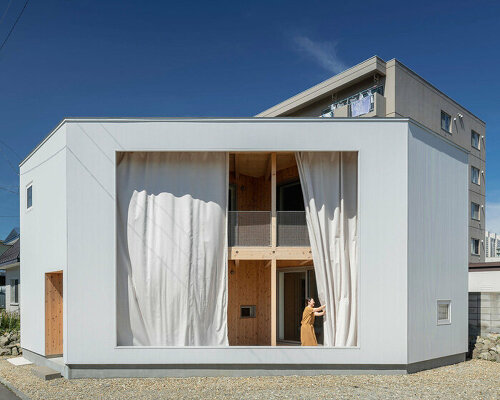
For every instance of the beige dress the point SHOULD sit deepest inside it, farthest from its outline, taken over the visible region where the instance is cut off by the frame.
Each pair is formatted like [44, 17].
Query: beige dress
[307, 335]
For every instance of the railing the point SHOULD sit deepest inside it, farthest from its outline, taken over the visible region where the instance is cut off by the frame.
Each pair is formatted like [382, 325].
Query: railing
[249, 228]
[253, 228]
[330, 111]
[292, 229]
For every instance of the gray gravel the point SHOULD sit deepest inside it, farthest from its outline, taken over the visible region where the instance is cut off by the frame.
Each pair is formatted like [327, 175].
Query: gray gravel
[474, 379]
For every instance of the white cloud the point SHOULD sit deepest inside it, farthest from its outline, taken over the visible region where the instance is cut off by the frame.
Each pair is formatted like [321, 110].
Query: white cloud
[493, 217]
[323, 53]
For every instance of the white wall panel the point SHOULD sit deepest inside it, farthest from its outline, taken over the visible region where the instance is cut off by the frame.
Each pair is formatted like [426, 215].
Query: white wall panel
[43, 234]
[438, 213]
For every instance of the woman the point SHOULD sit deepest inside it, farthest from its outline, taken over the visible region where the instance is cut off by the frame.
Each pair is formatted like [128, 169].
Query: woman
[307, 335]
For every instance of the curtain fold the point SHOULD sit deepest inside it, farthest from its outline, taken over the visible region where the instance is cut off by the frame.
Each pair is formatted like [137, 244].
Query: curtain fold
[329, 185]
[171, 249]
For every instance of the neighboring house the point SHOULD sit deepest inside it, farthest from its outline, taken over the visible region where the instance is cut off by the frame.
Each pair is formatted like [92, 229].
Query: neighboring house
[10, 263]
[492, 246]
[213, 231]
[375, 88]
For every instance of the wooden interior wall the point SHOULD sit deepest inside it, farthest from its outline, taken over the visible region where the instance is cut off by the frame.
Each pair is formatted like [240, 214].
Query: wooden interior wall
[253, 194]
[287, 175]
[53, 313]
[249, 283]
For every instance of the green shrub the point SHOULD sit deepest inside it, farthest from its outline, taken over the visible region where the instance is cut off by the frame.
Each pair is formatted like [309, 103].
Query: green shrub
[9, 321]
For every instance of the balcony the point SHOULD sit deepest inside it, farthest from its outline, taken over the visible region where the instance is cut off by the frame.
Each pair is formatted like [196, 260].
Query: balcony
[254, 229]
[346, 107]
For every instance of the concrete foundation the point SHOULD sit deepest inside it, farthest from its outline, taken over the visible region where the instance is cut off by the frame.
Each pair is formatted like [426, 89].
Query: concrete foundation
[183, 371]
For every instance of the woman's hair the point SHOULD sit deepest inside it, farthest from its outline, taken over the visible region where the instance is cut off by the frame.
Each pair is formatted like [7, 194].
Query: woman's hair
[308, 299]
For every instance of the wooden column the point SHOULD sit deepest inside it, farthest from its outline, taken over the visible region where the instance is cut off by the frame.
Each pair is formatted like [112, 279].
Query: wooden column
[273, 246]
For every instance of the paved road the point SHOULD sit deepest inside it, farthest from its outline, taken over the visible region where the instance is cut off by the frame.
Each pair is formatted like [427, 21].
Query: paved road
[6, 394]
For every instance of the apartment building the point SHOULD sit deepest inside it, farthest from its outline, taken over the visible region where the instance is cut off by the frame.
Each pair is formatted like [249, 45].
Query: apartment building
[491, 245]
[376, 88]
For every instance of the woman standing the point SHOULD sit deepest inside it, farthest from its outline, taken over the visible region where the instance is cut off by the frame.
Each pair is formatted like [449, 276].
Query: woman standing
[307, 334]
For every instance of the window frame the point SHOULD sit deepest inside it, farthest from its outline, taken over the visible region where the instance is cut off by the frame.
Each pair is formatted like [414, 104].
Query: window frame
[28, 187]
[14, 291]
[472, 134]
[445, 114]
[478, 175]
[472, 204]
[446, 321]
[472, 243]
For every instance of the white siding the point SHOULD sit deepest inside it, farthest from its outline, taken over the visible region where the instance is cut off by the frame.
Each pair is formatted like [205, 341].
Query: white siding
[11, 273]
[438, 212]
[43, 227]
[91, 231]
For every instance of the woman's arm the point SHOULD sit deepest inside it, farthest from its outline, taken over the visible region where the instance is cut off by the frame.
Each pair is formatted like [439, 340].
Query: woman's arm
[319, 314]
[319, 308]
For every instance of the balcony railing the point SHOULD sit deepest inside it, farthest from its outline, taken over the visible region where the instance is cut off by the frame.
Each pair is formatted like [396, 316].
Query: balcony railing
[253, 228]
[292, 229]
[249, 228]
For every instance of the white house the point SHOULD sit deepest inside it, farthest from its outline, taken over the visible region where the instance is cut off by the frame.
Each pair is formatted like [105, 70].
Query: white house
[10, 263]
[176, 247]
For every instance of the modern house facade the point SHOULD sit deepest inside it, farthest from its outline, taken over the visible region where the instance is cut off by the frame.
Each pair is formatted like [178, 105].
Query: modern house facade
[213, 231]
[376, 88]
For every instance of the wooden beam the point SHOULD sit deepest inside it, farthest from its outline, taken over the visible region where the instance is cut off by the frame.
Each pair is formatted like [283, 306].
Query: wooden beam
[268, 253]
[273, 302]
[273, 200]
[236, 167]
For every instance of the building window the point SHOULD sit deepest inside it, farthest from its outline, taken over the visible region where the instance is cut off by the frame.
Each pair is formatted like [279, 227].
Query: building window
[474, 139]
[474, 246]
[445, 122]
[29, 196]
[14, 291]
[443, 312]
[474, 175]
[474, 211]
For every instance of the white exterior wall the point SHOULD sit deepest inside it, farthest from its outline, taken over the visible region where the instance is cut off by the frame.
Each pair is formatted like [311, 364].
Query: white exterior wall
[43, 246]
[484, 281]
[11, 273]
[438, 245]
[90, 278]
[91, 232]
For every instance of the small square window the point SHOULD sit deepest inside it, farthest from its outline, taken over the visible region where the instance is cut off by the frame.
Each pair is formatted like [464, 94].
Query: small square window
[474, 244]
[29, 197]
[474, 211]
[443, 312]
[247, 311]
[445, 122]
[474, 139]
[474, 175]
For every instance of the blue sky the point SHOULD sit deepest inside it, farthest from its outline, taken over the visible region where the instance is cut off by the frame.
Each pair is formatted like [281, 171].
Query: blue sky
[126, 58]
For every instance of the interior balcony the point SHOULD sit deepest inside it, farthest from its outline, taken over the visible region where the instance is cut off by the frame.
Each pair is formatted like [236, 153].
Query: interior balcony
[266, 217]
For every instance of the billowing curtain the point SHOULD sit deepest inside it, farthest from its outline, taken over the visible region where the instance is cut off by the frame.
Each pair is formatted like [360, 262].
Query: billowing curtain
[329, 185]
[171, 249]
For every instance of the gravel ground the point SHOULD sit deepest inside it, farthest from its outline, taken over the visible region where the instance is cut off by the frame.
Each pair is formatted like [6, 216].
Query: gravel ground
[474, 379]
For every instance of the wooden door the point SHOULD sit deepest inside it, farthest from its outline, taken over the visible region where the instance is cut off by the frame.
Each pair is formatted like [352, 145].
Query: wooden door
[54, 313]
[294, 295]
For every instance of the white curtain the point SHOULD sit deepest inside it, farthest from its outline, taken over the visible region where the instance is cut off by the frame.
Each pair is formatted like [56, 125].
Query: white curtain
[329, 184]
[171, 249]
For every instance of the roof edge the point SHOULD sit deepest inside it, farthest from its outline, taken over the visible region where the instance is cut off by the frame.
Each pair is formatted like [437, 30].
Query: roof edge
[229, 119]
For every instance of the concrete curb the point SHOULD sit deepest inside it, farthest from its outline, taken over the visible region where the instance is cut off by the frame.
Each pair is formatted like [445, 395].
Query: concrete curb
[14, 390]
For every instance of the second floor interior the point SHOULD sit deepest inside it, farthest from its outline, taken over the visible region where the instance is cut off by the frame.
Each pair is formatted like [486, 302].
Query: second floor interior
[265, 210]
